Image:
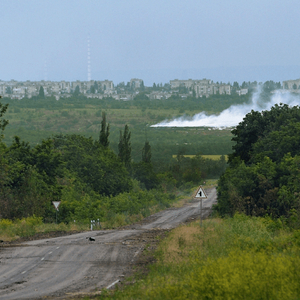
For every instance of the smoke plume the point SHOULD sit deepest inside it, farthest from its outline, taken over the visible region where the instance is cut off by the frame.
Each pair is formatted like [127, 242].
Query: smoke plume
[233, 115]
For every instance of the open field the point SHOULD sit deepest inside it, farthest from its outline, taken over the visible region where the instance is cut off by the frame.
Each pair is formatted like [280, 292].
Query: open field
[34, 120]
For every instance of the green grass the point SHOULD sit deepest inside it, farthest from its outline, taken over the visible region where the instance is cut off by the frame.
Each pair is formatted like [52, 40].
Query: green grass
[27, 227]
[237, 258]
[11, 230]
[34, 121]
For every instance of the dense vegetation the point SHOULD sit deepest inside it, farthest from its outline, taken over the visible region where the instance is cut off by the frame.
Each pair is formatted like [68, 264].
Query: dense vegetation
[90, 178]
[234, 258]
[263, 174]
[36, 119]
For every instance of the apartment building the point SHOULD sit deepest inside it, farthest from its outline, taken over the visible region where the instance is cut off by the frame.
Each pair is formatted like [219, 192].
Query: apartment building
[203, 87]
[291, 84]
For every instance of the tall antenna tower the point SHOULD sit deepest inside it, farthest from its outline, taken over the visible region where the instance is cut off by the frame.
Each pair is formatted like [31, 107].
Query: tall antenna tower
[89, 59]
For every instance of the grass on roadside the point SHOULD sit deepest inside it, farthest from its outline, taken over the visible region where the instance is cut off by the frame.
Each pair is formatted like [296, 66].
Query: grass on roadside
[26, 227]
[237, 258]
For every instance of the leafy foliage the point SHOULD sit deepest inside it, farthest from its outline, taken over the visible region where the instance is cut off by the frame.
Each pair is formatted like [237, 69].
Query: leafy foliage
[97, 167]
[29, 179]
[84, 173]
[124, 146]
[262, 177]
[104, 132]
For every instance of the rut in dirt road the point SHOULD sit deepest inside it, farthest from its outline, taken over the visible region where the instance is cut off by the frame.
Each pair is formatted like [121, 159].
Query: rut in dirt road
[63, 266]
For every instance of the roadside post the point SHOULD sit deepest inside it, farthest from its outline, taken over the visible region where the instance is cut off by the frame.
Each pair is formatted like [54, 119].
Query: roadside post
[56, 205]
[93, 223]
[200, 195]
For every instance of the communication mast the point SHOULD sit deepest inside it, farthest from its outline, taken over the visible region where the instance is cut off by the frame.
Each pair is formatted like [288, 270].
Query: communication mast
[89, 59]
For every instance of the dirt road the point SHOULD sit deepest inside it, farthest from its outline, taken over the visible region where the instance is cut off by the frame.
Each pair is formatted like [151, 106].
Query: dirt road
[63, 266]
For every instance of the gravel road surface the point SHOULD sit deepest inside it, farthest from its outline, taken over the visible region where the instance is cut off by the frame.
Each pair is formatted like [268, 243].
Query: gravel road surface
[66, 266]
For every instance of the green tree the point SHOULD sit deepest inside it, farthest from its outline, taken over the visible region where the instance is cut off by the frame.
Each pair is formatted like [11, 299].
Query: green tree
[146, 153]
[8, 90]
[98, 168]
[142, 88]
[144, 173]
[262, 177]
[92, 89]
[124, 146]
[77, 90]
[41, 92]
[104, 132]
[30, 179]
[96, 87]
[3, 122]
[236, 85]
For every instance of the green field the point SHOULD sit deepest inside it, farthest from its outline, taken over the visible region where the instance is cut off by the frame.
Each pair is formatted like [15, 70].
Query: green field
[34, 120]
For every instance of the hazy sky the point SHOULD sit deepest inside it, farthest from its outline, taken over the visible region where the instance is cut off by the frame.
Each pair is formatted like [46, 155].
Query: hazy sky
[156, 40]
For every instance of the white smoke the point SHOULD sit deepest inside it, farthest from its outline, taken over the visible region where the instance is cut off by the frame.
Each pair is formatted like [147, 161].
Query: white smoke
[233, 115]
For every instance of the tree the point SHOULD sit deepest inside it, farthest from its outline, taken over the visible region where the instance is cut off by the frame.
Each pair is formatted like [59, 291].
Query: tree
[246, 134]
[263, 174]
[236, 85]
[244, 85]
[29, 179]
[3, 122]
[96, 87]
[125, 147]
[41, 92]
[77, 90]
[146, 153]
[8, 90]
[92, 89]
[104, 132]
[98, 169]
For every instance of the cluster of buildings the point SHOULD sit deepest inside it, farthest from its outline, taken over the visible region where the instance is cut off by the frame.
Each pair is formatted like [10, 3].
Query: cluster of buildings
[20, 89]
[100, 89]
[292, 85]
[200, 88]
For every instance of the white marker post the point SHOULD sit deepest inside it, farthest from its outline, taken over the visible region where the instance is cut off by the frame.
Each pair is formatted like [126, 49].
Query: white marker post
[200, 195]
[93, 223]
[56, 205]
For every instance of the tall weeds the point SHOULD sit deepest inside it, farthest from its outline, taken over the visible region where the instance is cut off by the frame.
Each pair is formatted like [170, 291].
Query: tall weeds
[236, 258]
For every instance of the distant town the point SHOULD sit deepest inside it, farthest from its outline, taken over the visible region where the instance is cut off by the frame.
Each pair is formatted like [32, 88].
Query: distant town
[101, 89]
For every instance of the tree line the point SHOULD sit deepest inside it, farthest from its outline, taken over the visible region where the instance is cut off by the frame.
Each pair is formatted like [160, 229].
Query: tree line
[263, 176]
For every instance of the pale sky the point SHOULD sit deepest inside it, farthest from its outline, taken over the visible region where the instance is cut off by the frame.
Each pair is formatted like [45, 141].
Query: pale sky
[155, 40]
